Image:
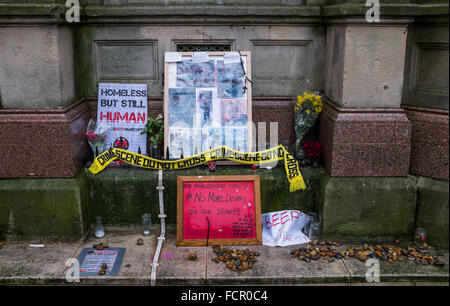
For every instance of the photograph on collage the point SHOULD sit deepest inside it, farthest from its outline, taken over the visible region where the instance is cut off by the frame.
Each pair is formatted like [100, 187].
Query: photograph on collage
[191, 74]
[231, 80]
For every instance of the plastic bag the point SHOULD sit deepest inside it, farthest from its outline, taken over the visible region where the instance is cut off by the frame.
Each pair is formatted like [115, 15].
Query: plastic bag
[96, 135]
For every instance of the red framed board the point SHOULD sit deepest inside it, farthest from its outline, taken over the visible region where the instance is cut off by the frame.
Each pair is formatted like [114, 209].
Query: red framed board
[218, 210]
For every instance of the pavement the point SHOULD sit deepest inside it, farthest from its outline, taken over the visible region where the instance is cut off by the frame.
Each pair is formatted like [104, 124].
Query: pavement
[21, 264]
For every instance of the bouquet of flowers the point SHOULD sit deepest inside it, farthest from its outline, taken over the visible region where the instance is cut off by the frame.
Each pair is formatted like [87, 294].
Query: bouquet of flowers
[96, 136]
[312, 149]
[307, 110]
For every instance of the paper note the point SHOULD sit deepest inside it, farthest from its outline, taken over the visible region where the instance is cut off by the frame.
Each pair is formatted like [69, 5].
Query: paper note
[200, 57]
[172, 57]
[283, 228]
[231, 58]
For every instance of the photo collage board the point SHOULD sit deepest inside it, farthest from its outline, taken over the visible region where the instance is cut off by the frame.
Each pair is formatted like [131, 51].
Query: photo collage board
[207, 102]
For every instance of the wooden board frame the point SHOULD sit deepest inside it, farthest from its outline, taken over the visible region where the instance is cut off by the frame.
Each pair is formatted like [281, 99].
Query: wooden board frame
[249, 100]
[219, 178]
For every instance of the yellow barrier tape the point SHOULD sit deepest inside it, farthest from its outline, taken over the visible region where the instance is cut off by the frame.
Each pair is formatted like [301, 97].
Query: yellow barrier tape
[261, 157]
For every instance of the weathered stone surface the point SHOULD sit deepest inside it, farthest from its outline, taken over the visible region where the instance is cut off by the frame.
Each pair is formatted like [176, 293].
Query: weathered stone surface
[358, 209]
[432, 210]
[276, 266]
[285, 59]
[136, 266]
[24, 265]
[43, 208]
[37, 68]
[426, 64]
[429, 151]
[173, 257]
[21, 264]
[398, 271]
[369, 73]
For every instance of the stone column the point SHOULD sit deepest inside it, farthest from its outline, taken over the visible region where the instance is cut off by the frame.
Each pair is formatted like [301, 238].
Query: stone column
[364, 130]
[365, 133]
[42, 126]
[37, 67]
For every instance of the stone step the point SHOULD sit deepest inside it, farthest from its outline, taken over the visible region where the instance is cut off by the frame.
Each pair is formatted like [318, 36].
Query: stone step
[24, 265]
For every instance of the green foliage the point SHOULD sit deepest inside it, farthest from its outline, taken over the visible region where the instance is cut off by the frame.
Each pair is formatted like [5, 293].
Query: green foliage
[155, 129]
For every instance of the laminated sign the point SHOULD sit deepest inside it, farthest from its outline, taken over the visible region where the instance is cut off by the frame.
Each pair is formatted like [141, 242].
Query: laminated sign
[283, 228]
[124, 108]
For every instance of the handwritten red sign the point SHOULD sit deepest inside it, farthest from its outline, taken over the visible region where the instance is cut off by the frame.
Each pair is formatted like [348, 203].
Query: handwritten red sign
[227, 208]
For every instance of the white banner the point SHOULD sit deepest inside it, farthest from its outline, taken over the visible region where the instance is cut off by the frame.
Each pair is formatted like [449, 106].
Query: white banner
[124, 108]
[283, 228]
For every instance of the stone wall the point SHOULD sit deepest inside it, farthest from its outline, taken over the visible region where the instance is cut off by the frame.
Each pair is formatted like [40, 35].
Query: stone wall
[386, 87]
[285, 59]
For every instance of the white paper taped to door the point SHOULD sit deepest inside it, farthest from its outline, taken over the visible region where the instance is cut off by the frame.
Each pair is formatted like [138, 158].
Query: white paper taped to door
[283, 228]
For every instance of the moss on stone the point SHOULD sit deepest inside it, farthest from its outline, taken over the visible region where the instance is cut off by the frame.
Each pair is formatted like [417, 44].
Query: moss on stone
[42, 208]
[367, 208]
[432, 210]
[122, 195]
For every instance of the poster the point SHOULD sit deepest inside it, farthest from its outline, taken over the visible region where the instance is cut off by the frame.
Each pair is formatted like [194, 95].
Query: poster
[207, 102]
[229, 206]
[283, 228]
[124, 108]
[219, 210]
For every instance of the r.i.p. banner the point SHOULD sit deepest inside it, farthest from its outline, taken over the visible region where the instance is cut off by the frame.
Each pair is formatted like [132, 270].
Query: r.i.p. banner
[124, 108]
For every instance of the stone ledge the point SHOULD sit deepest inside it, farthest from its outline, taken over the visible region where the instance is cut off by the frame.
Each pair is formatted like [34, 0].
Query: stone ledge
[386, 9]
[31, 9]
[43, 208]
[22, 265]
[367, 209]
[195, 11]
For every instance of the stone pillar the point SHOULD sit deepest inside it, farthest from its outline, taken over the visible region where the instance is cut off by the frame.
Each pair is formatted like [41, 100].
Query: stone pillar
[42, 126]
[366, 134]
[37, 67]
[363, 128]
[425, 96]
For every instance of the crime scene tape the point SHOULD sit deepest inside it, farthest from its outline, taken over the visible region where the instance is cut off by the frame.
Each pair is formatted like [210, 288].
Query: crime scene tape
[277, 153]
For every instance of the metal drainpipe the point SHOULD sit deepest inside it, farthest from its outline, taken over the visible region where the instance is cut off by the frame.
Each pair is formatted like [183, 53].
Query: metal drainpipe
[162, 237]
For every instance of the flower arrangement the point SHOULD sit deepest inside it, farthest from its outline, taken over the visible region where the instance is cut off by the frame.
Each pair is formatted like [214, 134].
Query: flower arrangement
[307, 110]
[155, 129]
[312, 149]
[96, 136]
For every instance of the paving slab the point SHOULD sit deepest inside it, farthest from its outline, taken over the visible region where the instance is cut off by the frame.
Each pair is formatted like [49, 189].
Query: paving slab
[136, 265]
[22, 264]
[275, 265]
[401, 271]
[174, 266]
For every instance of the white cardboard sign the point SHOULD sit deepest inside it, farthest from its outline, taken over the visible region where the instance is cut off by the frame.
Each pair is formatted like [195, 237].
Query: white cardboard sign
[124, 108]
[283, 228]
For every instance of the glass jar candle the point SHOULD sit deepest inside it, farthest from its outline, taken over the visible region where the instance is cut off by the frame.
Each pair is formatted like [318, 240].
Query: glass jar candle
[99, 229]
[314, 231]
[310, 218]
[146, 224]
[421, 236]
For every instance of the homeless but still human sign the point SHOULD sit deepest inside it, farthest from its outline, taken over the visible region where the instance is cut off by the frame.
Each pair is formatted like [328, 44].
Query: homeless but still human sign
[283, 228]
[124, 108]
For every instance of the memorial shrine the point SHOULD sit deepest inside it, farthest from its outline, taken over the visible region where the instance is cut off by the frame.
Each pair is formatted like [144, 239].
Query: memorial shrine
[235, 72]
